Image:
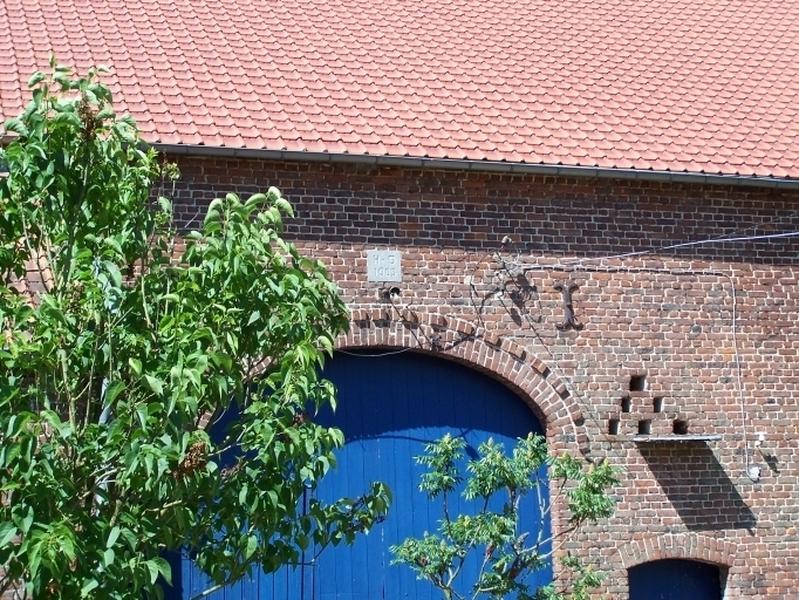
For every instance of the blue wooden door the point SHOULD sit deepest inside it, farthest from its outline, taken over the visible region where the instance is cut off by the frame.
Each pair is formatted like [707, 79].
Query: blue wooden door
[674, 579]
[389, 408]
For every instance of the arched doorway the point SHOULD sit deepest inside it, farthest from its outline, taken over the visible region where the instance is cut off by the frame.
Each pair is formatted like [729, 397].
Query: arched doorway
[390, 405]
[675, 579]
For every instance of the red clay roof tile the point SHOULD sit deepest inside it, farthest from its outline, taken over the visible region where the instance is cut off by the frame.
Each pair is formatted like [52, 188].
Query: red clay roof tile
[675, 85]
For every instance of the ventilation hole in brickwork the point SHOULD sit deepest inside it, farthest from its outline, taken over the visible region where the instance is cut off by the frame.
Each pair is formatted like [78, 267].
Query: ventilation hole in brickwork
[637, 383]
[657, 405]
[644, 427]
[680, 427]
[613, 427]
[626, 404]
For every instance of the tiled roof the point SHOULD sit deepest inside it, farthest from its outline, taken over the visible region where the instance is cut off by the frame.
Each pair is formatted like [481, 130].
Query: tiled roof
[698, 86]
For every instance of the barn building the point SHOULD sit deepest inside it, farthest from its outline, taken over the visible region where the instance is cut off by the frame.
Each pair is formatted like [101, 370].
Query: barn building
[578, 218]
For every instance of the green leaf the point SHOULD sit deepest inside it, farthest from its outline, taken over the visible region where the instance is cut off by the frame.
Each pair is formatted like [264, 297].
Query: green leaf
[7, 533]
[285, 207]
[252, 546]
[158, 566]
[24, 523]
[35, 79]
[114, 273]
[113, 391]
[135, 366]
[108, 557]
[113, 536]
[88, 587]
[155, 384]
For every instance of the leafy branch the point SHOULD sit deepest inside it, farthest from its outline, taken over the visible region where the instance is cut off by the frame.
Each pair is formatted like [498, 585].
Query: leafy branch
[500, 485]
[121, 338]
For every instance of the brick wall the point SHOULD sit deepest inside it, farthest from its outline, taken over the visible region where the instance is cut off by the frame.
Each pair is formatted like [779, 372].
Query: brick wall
[686, 319]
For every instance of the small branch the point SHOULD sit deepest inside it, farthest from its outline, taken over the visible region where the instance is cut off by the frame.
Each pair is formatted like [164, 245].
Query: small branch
[486, 558]
[559, 545]
[209, 591]
[162, 509]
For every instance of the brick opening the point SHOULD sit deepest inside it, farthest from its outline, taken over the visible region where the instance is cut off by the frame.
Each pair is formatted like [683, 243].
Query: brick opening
[657, 404]
[680, 426]
[637, 383]
[613, 427]
[644, 426]
[626, 404]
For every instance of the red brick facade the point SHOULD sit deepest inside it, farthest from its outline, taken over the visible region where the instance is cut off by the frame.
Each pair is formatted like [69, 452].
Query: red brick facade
[711, 327]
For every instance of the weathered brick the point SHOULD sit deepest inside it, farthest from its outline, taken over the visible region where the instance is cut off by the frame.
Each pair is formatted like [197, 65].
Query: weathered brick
[667, 315]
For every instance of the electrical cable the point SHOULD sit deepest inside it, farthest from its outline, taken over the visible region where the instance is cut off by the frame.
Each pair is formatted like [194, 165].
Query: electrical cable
[378, 355]
[717, 240]
[579, 264]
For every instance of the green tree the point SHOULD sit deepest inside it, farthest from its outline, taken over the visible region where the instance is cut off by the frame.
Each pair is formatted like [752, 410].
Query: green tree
[498, 484]
[134, 338]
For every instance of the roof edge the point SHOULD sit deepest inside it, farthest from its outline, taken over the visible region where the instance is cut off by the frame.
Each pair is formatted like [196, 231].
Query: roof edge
[479, 166]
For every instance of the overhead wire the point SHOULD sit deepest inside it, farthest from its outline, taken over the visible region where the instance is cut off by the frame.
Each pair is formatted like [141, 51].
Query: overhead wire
[377, 355]
[580, 264]
[583, 264]
[716, 240]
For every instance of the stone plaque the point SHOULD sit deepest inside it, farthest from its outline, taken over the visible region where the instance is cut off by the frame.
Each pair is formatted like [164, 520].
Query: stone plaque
[384, 265]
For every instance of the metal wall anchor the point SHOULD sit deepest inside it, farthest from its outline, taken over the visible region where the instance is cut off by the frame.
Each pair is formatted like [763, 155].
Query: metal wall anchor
[569, 320]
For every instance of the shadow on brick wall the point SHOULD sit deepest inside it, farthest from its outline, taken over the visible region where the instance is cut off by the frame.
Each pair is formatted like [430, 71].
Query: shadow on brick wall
[698, 487]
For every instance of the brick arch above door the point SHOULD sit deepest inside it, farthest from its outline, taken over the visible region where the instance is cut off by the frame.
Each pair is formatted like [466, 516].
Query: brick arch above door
[688, 546]
[501, 358]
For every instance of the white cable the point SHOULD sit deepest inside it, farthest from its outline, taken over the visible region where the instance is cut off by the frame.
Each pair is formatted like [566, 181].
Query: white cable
[768, 236]
[379, 355]
[578, 264]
